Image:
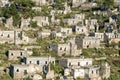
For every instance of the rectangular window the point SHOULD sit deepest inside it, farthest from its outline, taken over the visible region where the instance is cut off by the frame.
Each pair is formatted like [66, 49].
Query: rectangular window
[38, 62]
[69, 63]
[86, 63]
[82, 30]
[25, 72]
[65, 49]
[45, 62]
[78, 63]
[53, 62]
[11, 54]
[8, 36]
[92, 71]
[60, 48]
[84, 42]
[30, 62]
[1, 34]
[21, 53]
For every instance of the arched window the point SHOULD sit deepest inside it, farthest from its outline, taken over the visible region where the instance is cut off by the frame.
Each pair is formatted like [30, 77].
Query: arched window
[17, 70]
[12, 54]
[8, 36]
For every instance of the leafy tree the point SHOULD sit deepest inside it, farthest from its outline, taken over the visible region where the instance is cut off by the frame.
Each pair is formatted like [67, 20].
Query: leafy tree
[59, 4]
[108, 4]
[18, 7]
[16, 20]
[24, 7]
[57, 68]
[33, 24]
[5, 12]
[13, 9]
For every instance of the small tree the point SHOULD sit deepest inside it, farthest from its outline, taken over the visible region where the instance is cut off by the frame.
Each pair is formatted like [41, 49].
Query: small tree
[57, 68]
[108, 4]
[113, 44]
[16, 20]
[33, 24]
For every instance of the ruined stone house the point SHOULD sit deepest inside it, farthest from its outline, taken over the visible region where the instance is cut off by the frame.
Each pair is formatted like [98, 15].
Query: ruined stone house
[41, 61]
[13, 37]
[25, 23]
[22, 71]
[16, 54]
[77, 3]
[69, 48]
[68, 62]
[80, 30]
[41, 20]
[4, 3]
[88, 42]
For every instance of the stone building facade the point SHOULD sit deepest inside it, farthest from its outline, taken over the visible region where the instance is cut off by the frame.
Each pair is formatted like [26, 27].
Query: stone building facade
[79, 17]
[16, 37]
[80, 30]
[111, 35]
[87, 72]
[41, 61]
[69, 48]
[100, 36]
[40, 2]
[7, 36]
[41, 20]
[77, 3]
[22, 71]
[117, 2]
[71, 21]
[44, 33]
[97, 35]
[25, 23]
[88, 42]
[76, 19]
[65, 31]
[67, 8]
[92, 24]
[68, 62]
[37, 9]
[15, 54]
[61, 49]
